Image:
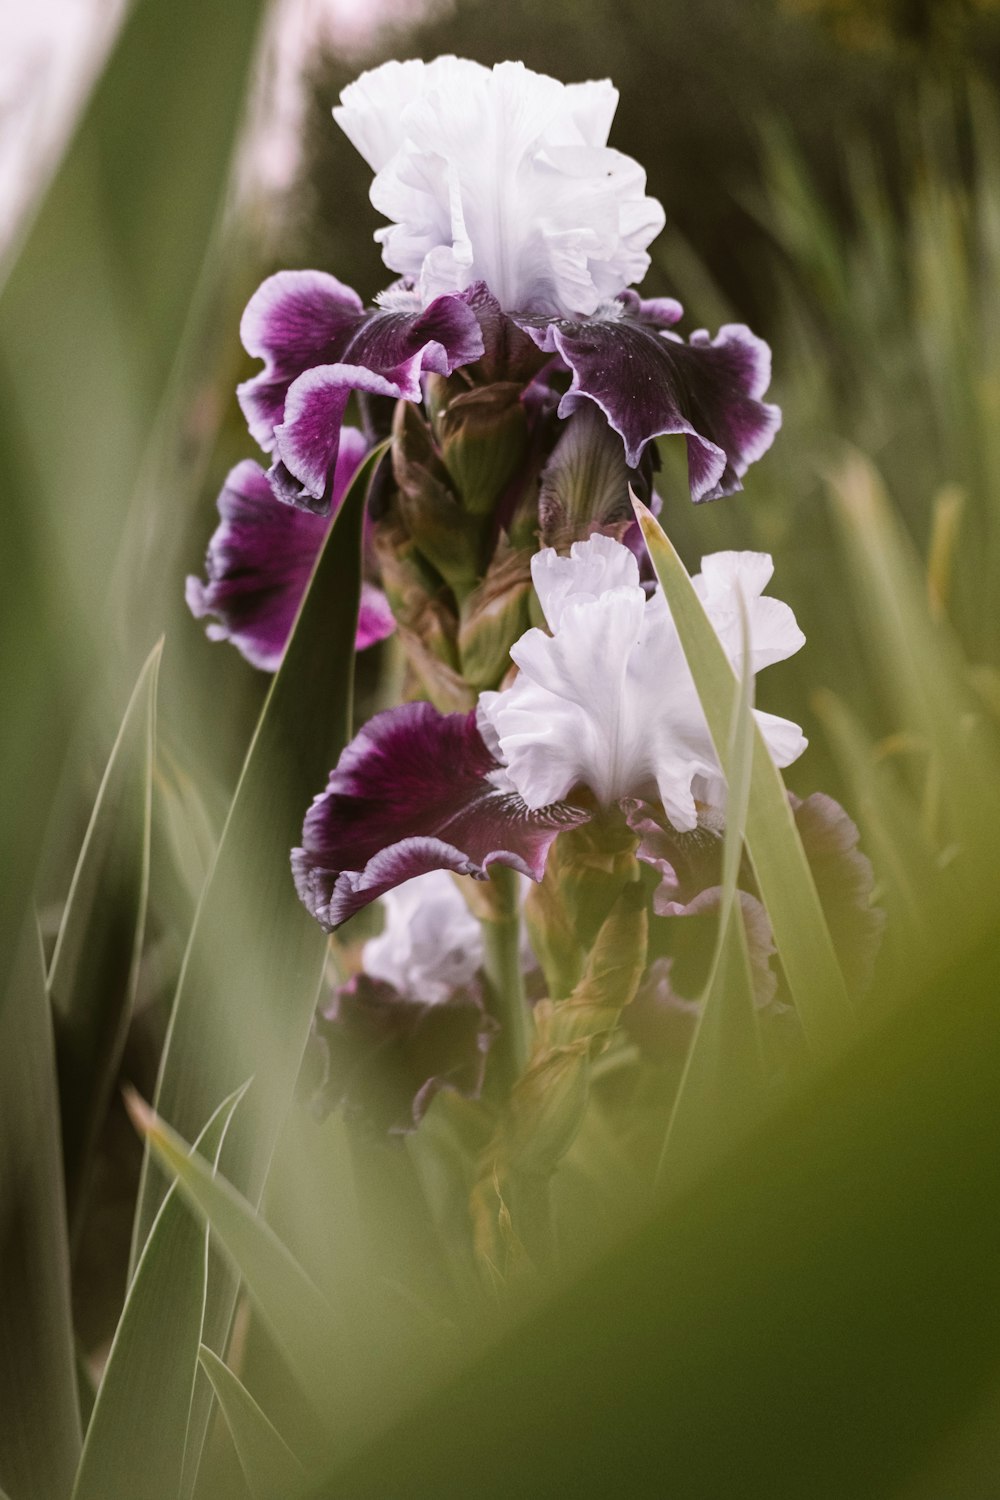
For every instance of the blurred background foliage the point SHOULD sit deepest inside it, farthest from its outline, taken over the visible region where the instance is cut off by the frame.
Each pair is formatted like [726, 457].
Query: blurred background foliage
[831, 175]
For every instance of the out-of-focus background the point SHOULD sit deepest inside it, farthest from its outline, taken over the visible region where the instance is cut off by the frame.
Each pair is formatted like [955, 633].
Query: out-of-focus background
[830, 171]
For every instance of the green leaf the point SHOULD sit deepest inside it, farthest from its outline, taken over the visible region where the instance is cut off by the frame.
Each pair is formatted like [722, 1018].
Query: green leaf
[95, 965]
[135, 1440]
[39, 1410]
[816, 1317]
[254, 959]
[271, 1470]
[722, 1085]
[786, 884]
[91, 317]
[295, 1312]
[921, 666]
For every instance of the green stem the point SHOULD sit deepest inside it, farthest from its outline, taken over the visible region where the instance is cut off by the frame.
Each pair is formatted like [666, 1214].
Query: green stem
[502, 942]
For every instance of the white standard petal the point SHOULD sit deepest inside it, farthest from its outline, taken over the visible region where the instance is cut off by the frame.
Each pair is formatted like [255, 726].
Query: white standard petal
[431, 943]
[607, 701]
[592, 568]
[501, 175]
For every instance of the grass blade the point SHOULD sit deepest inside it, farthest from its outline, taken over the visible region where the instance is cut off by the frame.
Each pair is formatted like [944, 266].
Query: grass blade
[786, 884]
[720, 1090]
[39, 1409]
[95, 965]
[135, 1440]
[270, 1468]
[291, 1306]
[919, 661]
[254, 959]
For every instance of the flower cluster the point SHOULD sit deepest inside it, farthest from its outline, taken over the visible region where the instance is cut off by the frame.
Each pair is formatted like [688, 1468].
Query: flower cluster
[550, 725]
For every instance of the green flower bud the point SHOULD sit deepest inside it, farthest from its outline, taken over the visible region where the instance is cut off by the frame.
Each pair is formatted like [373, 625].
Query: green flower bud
[587, 870]
[448, 537]
[494, 616]
[584, 485]
[546, 1109]
[482, 436]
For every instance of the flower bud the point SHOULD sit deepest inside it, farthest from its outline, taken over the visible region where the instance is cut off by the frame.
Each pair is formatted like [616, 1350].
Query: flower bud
[587, 870]
[584, 485]
[494, 616]
[483, 437]
[449, 538]
[546, 1109]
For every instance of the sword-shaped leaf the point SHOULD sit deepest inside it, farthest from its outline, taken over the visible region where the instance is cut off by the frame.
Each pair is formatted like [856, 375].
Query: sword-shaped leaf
[786, 884]
[95, 965]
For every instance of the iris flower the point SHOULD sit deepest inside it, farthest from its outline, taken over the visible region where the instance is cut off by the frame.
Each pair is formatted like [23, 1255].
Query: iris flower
[510, 219]
[603, 712]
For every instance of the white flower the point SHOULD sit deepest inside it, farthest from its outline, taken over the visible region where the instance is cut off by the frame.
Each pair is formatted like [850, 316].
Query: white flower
[607, 699]
[501, 175]
[431, 943]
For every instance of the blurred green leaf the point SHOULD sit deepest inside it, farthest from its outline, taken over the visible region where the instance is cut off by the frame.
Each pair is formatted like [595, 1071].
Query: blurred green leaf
[39, 1410]
[95, 965]
[135, 1440]
[91, 317]
[815, 1317]
[293, 1309]
[919, 661]
[786, 884]
[254, 960]
[271, 1470]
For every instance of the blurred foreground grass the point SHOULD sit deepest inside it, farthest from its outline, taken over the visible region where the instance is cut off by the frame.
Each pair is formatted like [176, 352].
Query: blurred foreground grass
[813, 1314]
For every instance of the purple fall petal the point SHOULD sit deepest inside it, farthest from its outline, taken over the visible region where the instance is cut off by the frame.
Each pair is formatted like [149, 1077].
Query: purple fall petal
[386, 1056]
[413, 793]
[845, 883]
[294, 320]
[649, 384]
[260, 559]
[319, 345]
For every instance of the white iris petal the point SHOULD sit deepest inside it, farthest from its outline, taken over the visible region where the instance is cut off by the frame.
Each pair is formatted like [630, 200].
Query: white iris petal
[607, 701]
[501, 175]
[431, 943]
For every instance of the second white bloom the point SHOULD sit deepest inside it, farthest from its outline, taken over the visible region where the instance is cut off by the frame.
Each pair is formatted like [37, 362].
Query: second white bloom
[607, 701]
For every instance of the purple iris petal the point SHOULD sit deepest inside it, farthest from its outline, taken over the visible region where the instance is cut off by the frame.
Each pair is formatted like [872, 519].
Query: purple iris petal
[649, 383]
[319, 344]
[845, 883]
[411, 793]
[294, 320]
[260, 559]
[385, 1056]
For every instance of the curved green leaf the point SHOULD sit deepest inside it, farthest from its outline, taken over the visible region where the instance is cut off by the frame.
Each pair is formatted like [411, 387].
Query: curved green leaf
[95, 965]
[782, 870]
[722, 1085]
[271, 1470]
[39, 1410]
[254, 959]
[295, 1312]
[135, 1440]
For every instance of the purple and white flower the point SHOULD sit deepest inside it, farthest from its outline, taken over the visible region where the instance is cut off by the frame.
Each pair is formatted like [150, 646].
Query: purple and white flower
[321, 345]
[412, 1021]
[260, 559]
[606, 700]
[506, 206]
[430, 944]
[603, 709]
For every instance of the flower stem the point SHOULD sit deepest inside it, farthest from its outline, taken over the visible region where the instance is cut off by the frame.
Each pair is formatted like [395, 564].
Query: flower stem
[502, 943]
